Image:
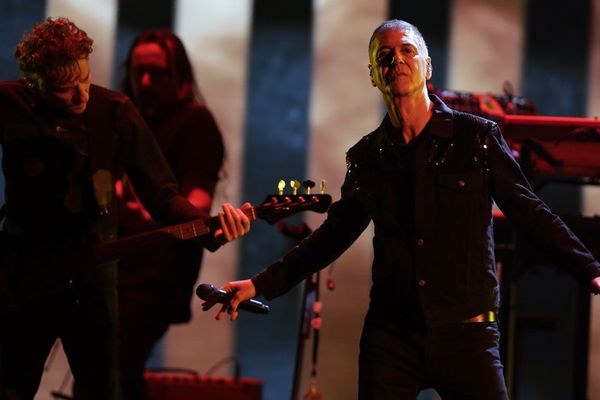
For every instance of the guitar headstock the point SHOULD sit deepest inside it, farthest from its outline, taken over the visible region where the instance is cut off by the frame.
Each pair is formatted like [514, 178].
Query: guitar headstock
[279, 206]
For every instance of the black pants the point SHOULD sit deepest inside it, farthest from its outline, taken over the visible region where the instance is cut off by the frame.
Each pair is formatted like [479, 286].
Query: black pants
[84, 316]
[155, 290]
[460, 361]
[143, 320]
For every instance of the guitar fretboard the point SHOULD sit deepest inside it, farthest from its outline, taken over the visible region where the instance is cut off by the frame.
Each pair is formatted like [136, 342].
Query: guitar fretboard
[117, 248]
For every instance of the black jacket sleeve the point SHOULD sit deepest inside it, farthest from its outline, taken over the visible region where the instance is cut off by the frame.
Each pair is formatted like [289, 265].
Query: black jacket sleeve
[346, 220]
[531, 216]
[149, 172]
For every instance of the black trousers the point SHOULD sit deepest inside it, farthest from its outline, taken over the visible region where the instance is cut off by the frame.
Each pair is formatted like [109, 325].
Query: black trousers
[461, 362]
[143, 321]
[84, 317]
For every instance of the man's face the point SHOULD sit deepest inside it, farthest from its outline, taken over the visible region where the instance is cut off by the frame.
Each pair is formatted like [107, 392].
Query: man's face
[397, 66]
[67, 88]
[152, 82]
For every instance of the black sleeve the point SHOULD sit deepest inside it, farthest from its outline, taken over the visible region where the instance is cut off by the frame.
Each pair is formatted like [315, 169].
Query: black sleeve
[531, 216]
[197, 154]
[149, 172]
[346, 220]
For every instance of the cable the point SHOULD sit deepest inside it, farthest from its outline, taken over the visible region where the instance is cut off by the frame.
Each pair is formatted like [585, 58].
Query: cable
[236, 367]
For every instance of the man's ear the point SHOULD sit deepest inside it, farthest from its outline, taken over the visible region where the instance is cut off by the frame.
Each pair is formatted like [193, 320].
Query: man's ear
[371, 75]
[429, 68]
[35, 82]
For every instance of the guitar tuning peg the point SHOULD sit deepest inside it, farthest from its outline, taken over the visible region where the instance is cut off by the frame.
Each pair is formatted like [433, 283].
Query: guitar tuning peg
[281, 186]
[295, 185]
[308, 185]
[322, 186]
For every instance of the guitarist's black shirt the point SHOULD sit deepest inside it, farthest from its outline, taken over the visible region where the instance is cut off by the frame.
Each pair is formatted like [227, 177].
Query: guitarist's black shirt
[49, 184]
[59, 170]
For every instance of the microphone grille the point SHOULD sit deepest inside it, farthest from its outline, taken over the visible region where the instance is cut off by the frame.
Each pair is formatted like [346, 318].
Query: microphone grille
[205, 291]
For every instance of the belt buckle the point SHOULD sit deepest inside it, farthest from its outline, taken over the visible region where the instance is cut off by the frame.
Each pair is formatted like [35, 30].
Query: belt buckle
[488, 316]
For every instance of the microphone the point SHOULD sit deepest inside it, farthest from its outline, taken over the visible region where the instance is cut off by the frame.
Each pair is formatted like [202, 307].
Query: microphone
[208, 292]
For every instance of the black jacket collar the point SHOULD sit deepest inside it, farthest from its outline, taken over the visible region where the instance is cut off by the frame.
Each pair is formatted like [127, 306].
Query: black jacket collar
[441, 124]
[442, 118]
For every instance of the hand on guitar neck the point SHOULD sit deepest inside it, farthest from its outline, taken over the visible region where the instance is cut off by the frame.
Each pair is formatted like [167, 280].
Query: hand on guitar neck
[234, 222]
[134, 218]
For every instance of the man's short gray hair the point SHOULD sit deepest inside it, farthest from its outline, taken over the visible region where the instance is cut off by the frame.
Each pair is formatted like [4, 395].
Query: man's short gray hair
[397, 24]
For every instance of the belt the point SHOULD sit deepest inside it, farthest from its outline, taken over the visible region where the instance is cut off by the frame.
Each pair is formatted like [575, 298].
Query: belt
[488, 316]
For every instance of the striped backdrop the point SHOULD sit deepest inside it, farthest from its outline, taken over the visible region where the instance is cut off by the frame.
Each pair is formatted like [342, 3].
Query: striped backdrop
[288, 84]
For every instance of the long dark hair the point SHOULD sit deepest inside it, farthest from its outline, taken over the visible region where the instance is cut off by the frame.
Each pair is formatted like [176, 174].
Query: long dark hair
[177, 60]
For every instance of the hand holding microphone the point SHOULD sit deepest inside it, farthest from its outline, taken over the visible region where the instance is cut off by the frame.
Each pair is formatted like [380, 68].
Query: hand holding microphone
[234, 295]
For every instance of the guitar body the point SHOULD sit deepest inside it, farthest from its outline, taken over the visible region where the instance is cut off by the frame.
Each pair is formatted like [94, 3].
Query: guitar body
[30, 277]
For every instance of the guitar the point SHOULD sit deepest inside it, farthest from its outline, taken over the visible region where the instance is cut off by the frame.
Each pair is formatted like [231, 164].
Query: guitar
[25, 278]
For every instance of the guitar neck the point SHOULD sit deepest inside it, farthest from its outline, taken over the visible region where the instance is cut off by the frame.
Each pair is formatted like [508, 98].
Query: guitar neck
[128, 245]
[273, 209]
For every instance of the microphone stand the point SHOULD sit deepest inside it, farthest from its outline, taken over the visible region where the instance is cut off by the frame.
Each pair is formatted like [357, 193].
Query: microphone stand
[315, 323]
[308, 297]
[299, 232]
[310, 318]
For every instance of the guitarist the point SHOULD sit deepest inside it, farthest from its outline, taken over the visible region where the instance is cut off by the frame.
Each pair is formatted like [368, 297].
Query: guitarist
[155, 287]
[63, 141]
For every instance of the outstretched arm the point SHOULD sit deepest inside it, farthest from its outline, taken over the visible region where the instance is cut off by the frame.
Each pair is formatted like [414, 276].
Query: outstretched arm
[532, 217]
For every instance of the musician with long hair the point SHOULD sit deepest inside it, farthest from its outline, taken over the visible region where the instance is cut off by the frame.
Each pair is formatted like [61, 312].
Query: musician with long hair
[155, 288]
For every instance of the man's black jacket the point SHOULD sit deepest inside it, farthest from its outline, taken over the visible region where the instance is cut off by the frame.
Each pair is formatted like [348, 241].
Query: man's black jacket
[462, 164]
